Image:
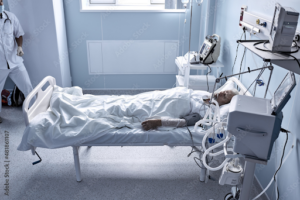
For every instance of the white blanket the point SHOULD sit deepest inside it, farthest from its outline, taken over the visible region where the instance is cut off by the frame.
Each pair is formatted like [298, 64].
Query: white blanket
[74, 118]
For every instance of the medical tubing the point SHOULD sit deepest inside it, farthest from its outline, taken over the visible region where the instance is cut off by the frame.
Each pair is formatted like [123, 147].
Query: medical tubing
[217, 110]
[210, 149]
[202, 120]
[206, 121]
[261, 77]
[217, 115]
[287, 156]
[208, 132]
[212, 154]
[220, 152]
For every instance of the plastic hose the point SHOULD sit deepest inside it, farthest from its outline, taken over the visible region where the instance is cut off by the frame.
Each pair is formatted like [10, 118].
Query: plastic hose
[207, 122]
[208, 132]
[210, 149]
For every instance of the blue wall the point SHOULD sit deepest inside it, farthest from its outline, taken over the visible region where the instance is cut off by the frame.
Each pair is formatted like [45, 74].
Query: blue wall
[82, 26]
[228, 12]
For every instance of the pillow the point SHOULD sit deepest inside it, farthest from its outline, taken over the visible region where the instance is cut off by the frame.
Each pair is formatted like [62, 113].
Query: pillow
[224, 110]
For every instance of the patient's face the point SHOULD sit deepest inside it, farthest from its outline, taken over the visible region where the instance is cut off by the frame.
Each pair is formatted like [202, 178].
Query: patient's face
[224, 97]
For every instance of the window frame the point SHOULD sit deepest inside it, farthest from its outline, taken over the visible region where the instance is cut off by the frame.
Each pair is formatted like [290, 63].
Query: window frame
[104, 7]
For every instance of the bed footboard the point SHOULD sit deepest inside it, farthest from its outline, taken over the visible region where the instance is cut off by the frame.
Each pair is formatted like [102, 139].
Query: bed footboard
[42, 101]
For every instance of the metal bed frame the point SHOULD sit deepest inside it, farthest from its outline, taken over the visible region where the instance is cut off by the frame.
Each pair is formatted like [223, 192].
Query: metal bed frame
[42, 103]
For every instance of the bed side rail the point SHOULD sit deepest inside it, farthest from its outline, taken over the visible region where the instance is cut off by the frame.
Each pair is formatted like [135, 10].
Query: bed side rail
[243, 89]
[42, 101]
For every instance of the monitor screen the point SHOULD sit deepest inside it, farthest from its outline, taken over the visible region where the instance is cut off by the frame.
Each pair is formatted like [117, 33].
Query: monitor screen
[203, 47]
[282, 93]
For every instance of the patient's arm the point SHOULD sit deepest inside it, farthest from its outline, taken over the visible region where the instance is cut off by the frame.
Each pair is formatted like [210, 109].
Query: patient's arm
[154, 123]
[151, 124]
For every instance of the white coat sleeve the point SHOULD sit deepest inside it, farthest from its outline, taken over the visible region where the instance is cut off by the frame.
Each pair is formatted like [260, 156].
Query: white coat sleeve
[18, 30]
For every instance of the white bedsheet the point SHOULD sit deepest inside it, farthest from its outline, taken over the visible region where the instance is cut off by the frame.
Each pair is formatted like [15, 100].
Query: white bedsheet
[75, 119]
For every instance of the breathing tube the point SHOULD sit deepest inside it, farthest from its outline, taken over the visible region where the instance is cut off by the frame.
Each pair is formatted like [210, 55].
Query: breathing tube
[216, 123]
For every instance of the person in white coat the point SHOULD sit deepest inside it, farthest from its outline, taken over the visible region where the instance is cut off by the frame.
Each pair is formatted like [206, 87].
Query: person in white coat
[11, 52]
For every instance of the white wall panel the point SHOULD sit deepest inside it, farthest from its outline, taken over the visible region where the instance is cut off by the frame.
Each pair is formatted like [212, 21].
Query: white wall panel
[132, 56]
[171, 51]
[95, 59]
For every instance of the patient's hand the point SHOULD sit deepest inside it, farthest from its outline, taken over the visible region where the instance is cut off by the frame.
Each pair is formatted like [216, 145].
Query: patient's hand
[151, 124]
[207, 101]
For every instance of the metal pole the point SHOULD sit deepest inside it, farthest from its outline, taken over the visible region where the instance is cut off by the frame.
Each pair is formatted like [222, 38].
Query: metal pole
[248, 180]
[271, 72]
[245, 72]
[249, 71]
[212, 94]
[77, 163]
[190, 27]
[186, 80]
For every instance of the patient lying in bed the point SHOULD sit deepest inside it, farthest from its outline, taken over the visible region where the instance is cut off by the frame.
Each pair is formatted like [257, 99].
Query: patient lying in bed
[75, 119]
[222, 98]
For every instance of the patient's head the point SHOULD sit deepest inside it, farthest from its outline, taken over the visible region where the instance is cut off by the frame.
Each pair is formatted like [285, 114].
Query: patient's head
[225, 97]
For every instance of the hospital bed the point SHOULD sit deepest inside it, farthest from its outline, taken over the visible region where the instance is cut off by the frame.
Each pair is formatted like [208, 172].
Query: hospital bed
[120, 137]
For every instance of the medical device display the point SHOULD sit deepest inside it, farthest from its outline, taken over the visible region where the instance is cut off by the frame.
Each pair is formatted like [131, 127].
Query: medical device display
[210, 50]
[254, 124]
[282, 94]
[283, 29]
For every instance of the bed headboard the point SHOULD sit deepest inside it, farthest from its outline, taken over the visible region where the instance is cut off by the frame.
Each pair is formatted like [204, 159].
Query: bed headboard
[42, 102]
[242, 88]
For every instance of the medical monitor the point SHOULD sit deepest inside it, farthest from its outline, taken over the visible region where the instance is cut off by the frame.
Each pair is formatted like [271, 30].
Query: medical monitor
[202, 49]
[283, 29]
[283, 93]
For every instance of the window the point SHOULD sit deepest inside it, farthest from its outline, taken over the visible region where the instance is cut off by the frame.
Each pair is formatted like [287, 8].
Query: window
[128, 2]
[125, 5]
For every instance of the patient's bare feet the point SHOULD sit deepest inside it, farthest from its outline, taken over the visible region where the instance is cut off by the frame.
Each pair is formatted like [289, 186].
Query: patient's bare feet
[151, 124]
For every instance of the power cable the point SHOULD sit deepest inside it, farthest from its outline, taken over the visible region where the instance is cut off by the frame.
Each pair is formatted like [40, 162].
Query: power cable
[287, 138]
[237, 50]
[243, 58]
